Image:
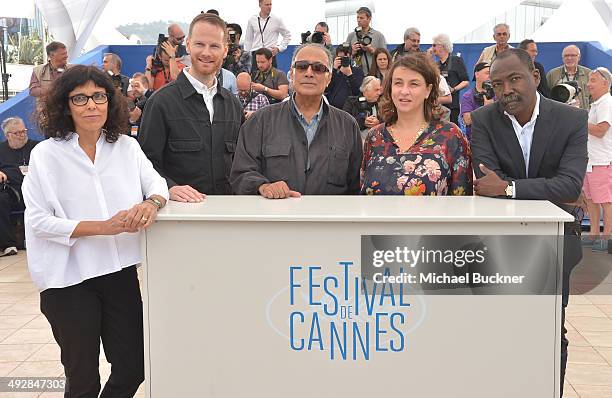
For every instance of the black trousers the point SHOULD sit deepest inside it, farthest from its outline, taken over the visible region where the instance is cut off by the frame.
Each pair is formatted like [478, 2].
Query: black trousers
[107, 308]
[7, 234]
[454, 116]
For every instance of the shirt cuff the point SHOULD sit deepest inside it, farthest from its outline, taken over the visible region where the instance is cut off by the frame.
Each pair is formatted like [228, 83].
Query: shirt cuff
[513, 190]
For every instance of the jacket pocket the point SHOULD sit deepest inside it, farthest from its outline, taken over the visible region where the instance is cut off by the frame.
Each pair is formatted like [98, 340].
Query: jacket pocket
[338, 166]
[185, 145]
[277, 161]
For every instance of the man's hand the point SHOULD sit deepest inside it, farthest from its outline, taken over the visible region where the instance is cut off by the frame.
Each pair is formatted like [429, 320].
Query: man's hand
[337, 62]
[326, 39]
[346, 70]
[169, 48]
[248, 114]
[3, 177]
[489, 185]
[149, 61]
[488, 101]
[274, 50]
[135, 115]
[467, 118]
[277, 190]
[258, 87]
[371, 121]
[356, 47]
[185, 193]
[369, 48]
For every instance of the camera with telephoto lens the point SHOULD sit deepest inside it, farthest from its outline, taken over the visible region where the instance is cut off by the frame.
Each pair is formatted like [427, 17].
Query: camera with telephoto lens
[309, 37]
[116, 79]
[363, 107]
[565, 92]
[363, 39]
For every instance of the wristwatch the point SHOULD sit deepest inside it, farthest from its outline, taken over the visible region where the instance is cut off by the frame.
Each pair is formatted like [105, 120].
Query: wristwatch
[510, 189]
[265, 89]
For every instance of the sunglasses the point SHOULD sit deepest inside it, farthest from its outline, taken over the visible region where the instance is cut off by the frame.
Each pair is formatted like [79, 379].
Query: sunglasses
[82, 99]
[317, 67]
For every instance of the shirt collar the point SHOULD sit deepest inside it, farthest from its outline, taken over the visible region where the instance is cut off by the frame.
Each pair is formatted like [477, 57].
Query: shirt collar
[75, 139]
[300, 115]
[200, 87]
[534, 115]
[601, 99]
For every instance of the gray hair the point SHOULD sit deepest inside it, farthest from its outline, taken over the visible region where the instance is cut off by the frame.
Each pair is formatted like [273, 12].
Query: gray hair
[410, 31]
[366, 82]
[330, 58]
[499, 25]
[603, 72]
[115, 59]
[445, 41]
[571, 46]
[11, 121]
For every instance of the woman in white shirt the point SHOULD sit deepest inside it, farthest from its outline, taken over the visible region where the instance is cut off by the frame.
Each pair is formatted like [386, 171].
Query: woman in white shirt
[84, 196]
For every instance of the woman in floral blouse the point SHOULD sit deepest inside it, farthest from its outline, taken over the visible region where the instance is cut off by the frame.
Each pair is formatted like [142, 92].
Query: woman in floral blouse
[412, 153]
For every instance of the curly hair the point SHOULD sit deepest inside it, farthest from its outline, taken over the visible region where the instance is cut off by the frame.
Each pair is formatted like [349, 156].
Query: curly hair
[423, 65]
[53, 113]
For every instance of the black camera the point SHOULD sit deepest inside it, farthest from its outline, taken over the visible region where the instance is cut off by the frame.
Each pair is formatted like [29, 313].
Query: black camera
[305, 37]
[363, 39]
[345, 61]
[488, 93]
[116, 79]
[232, 36]
[309, 37]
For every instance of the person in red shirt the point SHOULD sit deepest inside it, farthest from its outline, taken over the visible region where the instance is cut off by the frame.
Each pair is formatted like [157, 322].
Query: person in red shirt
[167, 67]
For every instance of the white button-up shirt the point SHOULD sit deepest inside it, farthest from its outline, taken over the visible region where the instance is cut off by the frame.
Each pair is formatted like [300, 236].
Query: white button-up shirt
[264, 32]
[63, 187]
[524, 134]
[202, 89]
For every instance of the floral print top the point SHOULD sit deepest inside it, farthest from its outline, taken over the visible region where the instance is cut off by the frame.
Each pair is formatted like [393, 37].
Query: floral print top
[438, 163]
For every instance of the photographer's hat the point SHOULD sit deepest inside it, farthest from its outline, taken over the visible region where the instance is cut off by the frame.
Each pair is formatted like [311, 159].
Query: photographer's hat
[479, 66]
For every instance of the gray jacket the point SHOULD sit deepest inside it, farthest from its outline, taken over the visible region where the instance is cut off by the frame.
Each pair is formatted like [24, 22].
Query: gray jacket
[272, 146]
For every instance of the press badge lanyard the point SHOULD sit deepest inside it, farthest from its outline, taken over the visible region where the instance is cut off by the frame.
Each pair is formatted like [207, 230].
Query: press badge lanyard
[261, 31]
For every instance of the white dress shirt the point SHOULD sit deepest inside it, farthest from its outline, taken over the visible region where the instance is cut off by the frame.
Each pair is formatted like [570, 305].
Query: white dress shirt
[207, 93]
[271, 27]
[524, 134]
[63, 187]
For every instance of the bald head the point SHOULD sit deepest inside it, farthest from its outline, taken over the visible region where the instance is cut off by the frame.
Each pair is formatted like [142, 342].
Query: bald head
[243, 81]
[176, 34]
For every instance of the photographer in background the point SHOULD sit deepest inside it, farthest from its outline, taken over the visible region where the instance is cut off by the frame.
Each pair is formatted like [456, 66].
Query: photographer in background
[482, 94]
[365, 108]
[268, 80]
[320, 36]
[364, 40]
[176, 36]
[237, 59]
[111, 64]
[137, 98]
[163, 67]
[532, 49]
[412, 41]
[250, 99]
[346, 78]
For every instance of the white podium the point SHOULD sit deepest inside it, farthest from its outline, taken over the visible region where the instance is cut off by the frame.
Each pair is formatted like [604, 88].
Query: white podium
[232, 287]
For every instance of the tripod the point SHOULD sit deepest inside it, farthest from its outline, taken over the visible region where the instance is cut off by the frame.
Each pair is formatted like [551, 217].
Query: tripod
[5, 76]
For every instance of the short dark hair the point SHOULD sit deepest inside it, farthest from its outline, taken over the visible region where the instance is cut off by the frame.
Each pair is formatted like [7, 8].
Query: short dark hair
[235, 27]
[365, 10]
[521, 54]
[423, 65]
[525, 43]
[265, 52]
[345, 48]
[324, 25]
[54, 118]
[212, 11]
[210, 19]
[141, 77]
[54, 46]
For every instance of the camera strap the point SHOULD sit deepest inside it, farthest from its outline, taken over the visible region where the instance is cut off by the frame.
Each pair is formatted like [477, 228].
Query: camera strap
[261, 31]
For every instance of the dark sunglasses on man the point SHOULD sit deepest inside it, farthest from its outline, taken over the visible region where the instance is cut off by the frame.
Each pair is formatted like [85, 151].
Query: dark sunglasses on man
[317, 67]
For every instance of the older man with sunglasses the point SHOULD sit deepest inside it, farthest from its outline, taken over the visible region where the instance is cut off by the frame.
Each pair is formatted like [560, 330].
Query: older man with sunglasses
[302, 145]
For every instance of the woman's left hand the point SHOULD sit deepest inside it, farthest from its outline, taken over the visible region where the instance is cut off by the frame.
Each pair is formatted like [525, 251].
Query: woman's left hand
[141, 215]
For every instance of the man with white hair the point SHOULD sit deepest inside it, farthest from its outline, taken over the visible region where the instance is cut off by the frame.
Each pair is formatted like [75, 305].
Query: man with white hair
[571, 71]
[452, 68]
[598, 180]
[412, 40]
[302, 145]
[14, 160]
[501, 35]
[364, 108]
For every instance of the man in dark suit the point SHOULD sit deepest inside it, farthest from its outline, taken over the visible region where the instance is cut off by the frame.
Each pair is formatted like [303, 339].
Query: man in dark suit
[526, 146]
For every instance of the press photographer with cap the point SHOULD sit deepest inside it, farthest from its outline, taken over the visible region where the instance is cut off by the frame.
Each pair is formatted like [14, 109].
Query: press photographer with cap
[364, 40]
[482, 94]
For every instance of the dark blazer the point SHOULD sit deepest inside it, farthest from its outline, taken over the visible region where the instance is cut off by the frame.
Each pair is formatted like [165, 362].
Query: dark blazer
[543, 86]
[557, 161]
[558, 157]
